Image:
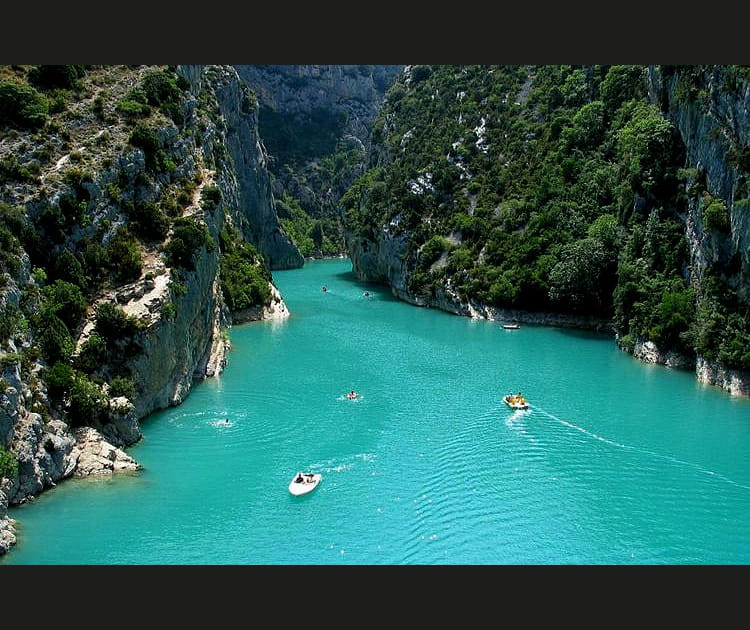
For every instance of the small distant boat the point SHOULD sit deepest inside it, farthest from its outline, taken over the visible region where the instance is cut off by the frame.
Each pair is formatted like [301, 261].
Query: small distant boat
[352, 395]
[511, 326]
[302, 483]
[515, 402]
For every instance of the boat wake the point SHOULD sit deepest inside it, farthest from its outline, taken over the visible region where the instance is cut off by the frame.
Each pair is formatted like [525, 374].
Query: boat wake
[645, 451]
[222, 423]
[338, 465]
[516, 422]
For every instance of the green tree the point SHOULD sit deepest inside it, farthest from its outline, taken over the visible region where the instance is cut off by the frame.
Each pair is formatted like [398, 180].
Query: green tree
[621, 84]
[54, 338]
[244, 277]
[112, 323]
[56, 76]
[87, 401]
[59, 380]
[646, 148]
[188, 236]
[93, 354]
[576, 279]
[69, 269]
[8, 463]
[65, 300]
[21, 105]
[124, 256]
[716, 217]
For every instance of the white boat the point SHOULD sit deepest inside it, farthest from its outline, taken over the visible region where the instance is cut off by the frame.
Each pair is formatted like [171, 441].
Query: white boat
[304, 482]
[511, 326]
[514, 403]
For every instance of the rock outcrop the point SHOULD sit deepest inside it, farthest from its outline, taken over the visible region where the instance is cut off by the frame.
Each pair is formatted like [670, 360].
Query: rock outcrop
[736, 382]
[277, 310]
[96, 456]
[649, 352]
[7, 525]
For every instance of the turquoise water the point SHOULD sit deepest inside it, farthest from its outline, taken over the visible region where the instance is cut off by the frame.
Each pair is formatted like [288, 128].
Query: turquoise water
[616, 461]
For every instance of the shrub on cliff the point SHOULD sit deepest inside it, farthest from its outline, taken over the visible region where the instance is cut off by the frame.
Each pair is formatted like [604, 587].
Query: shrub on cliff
[124, 256]
[161, 87]
[87, 401]
[148, 220]
[11, 321]
[211, 197]
[67, 267]
[188, 237]
[47, 77]
[716, 217]
[112, 323]
[54, 338]
[21, 105]
[93, 354]
[122, 386]
[8, 463]
[59, 379]
[65, 300]
[144, 137]
[243, 274]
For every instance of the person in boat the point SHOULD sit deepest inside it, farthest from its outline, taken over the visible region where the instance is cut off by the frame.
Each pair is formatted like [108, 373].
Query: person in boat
[352, 394]
[520, 399]
[309, 477]
[298, 479]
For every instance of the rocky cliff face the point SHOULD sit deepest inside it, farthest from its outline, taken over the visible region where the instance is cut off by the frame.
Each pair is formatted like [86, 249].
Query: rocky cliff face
[315, 121]
[299, 89]
[715, 127]
[181, 310]
[251, 189]
[712, 114]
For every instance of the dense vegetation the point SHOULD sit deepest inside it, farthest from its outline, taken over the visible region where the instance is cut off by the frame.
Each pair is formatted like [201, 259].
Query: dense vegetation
[552, 188]
[244, 277]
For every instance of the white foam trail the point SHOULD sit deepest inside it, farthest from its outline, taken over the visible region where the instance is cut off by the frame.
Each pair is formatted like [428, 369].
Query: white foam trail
[222, 423]
[338, 465]
[645, 451]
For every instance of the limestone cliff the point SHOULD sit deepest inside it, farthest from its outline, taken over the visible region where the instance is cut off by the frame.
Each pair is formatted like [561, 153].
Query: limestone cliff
[252, 193]
[710, 106]
[315, 121]
[203, 166]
